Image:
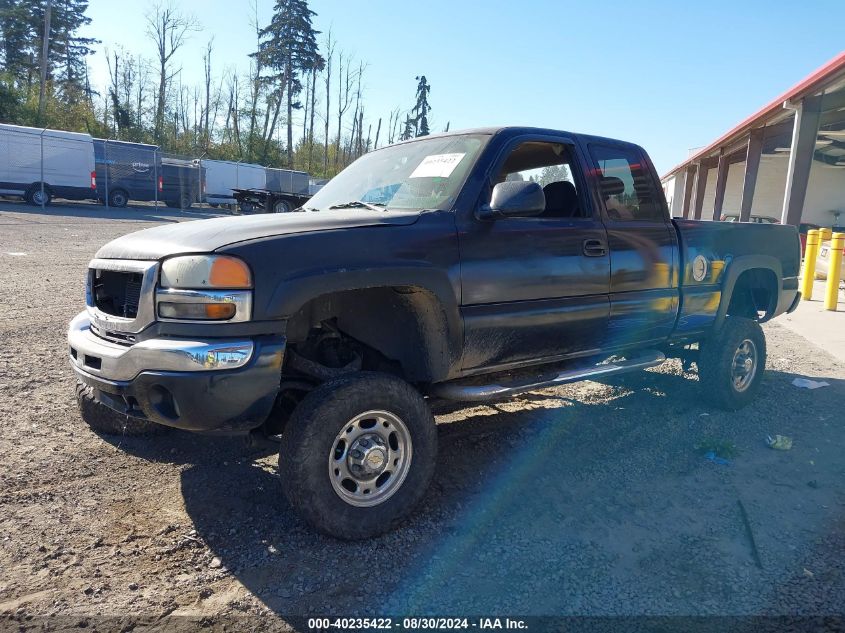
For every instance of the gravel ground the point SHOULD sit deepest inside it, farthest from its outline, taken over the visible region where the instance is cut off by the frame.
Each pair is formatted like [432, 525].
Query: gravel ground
[586, 499]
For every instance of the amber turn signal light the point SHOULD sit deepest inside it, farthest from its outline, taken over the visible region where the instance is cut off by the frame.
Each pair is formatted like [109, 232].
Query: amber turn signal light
[228, 272]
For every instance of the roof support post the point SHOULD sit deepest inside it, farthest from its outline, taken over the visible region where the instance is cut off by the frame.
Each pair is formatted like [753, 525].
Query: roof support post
[804, 134]
[752, 166]
[721, 182]
[689, 173]
[700, 186]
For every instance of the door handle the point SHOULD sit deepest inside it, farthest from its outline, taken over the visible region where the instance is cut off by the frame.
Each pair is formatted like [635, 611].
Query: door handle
[595, 248]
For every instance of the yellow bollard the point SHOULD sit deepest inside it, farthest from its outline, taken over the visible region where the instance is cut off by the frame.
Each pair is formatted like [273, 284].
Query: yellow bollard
[811, 251]
[825, 234]
[834, 271]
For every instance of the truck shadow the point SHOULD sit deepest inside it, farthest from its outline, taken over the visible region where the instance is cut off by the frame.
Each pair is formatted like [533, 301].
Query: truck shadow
[588, 499]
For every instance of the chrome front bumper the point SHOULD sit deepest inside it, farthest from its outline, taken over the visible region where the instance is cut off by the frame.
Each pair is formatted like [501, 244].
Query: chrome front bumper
[114, 362]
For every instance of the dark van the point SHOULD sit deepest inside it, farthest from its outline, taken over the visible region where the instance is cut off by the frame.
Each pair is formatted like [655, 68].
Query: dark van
[182, 182]
[126, 171]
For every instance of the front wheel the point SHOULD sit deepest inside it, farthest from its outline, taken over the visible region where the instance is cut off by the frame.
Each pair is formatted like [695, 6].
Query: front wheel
[731, 363]
[358, 454]
[39, 197]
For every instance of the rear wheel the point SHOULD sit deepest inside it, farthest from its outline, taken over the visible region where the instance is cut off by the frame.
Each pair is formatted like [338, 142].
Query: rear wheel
[185, 201]
[108, 422]
[281, 206]
[358, 454]
[118, 198]
[731, 363]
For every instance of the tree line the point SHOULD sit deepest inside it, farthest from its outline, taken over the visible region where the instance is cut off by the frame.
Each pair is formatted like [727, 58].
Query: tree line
[301, 104]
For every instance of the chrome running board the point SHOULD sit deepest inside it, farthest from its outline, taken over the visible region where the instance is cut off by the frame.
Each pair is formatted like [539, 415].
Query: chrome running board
[478, 393]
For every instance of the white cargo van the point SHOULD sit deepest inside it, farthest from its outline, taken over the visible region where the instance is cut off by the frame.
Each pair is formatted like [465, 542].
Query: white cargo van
[68, 170]
[222, 176]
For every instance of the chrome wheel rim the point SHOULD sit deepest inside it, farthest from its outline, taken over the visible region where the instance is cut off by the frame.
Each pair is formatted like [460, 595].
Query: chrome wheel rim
[744, 365]
[370, 458]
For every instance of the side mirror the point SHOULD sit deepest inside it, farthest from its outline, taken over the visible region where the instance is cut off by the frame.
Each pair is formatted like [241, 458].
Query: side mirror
[518, 199]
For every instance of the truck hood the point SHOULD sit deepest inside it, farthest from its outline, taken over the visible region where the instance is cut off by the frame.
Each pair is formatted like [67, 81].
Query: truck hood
[204, 236]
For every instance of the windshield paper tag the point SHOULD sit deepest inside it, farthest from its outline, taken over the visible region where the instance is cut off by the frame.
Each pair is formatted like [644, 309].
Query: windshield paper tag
[437, 166]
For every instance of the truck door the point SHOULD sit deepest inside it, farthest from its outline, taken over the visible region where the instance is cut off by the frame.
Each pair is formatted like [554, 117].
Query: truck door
[643, 246]
[534, 288]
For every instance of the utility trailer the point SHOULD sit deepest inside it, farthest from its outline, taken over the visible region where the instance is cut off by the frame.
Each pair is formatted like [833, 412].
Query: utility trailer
[285, 191]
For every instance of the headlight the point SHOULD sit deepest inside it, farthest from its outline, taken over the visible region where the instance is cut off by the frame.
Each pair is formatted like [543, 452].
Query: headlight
[204, 288]
[205, 271]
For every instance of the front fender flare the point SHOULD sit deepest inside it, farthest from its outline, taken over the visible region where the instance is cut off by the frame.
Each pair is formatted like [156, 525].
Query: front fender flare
[292, 294]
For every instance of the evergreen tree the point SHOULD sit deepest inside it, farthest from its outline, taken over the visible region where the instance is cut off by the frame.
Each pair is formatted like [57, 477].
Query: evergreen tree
[21, 33]
[18, 41]
[407, 129]
[422, 107]
[288, 46]
[68, 51]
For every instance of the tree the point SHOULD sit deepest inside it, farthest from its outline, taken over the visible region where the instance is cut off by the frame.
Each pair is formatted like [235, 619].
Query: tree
[168, 29]
[422, 107]
[70, 50]
[289, 47]
[407, 129]
[19, 36]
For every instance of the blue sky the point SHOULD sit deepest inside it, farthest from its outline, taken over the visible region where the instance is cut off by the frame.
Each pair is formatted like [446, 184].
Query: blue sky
[669, 75]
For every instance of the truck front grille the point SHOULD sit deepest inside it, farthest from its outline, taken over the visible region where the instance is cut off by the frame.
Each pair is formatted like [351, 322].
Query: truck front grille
[117, 293]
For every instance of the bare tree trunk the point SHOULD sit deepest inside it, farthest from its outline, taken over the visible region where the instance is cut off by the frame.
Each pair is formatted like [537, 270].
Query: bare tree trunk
[168, 29]
[276, 110]
[289, 81]
[311, 124]
[344, 96]
[205, 132]
[45, 54]
[307, 101]
[378, 131]
[329, 58]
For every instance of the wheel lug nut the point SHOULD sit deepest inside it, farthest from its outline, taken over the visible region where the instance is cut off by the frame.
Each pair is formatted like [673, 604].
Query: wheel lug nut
[365, 443]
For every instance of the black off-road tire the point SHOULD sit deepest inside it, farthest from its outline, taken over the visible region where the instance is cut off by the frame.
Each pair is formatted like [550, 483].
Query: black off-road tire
[717, 357]
[108, 422]
[309, 440]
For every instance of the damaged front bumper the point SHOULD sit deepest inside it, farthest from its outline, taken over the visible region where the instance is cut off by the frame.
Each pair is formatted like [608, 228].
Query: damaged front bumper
[219, 385]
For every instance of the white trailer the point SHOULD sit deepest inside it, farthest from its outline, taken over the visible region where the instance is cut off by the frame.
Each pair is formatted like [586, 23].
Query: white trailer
[40, 164]
[222, 177]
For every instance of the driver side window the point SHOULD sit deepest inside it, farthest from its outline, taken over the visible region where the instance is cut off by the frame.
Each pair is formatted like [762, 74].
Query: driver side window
[550, 165]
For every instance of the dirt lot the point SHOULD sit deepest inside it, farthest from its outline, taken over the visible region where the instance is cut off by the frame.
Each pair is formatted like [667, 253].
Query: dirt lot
[589, 499]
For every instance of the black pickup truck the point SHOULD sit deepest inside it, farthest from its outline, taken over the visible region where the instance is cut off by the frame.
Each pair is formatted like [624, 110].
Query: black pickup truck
[466, 266]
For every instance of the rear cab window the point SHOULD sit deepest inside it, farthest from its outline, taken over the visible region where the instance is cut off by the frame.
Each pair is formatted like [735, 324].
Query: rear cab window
[625, 184]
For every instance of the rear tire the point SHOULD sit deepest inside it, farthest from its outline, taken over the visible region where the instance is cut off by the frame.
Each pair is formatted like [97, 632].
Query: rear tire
[358, 455]
[105, 421]
[281, 206]
[118, 198]
[731, 363]
[185, 201]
